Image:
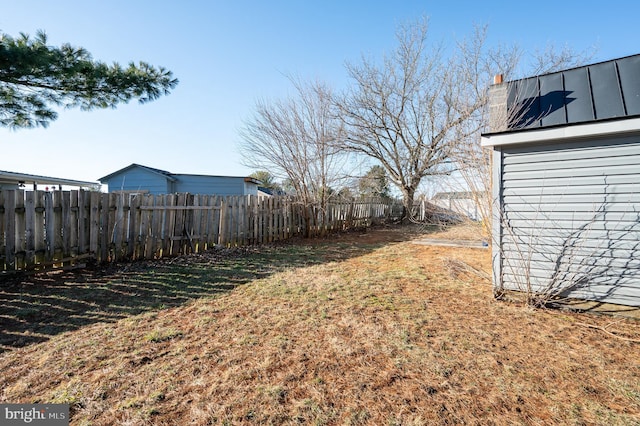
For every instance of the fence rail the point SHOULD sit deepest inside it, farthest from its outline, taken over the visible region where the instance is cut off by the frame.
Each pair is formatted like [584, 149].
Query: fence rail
[40, 229]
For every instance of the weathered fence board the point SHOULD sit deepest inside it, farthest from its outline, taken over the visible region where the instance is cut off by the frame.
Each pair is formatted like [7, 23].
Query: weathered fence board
[40, 229]
[10, 228]
[30, 231]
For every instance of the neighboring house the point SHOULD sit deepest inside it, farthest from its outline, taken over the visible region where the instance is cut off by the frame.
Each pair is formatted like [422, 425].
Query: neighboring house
[138, 178]
[263, 191]
[14, 180]
[461, 202]
[566, 182]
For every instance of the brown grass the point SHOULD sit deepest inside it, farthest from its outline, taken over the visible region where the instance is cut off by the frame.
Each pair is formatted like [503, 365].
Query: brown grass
[358, 329]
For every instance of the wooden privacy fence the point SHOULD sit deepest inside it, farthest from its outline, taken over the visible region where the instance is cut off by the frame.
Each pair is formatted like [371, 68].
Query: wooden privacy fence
[40, 229]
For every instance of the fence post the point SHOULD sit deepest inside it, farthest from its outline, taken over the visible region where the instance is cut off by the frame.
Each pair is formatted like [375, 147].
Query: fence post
[21, 238]
[157, 224]
[10, 227]
[271, 220]
[135, 217]
[94, 224]
[232, 222]
[65, 202]
[169, 224]
[242, 220]
[146, 220]
[236, 219]
[74, 223]
[113, 236]
[104, 227]
[82, 222]
[190, 223]
[254, 218]
[217, 217]
[276, 218]
[49, 226]
[177, 234]
[30, 218]
[262, 207]
[20, 230]
[196, 226]
[39, 231]
[223, 222]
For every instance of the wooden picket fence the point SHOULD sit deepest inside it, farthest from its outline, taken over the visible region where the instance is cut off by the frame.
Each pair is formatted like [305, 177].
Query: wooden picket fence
[40, 229]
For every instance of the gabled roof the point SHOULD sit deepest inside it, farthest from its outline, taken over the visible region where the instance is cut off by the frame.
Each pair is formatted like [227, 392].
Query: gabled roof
[163, 173]
[18, 178]
[172, 176]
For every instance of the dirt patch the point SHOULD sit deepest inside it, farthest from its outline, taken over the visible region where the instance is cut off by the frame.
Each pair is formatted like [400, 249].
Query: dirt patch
[363, 328]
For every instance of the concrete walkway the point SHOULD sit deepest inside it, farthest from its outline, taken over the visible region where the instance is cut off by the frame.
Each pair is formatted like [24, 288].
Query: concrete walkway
[451, 243]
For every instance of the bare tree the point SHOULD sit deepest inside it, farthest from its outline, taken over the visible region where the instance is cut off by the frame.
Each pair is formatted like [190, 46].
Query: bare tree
[295, 139]
[409, 111]
[473, 163]
[554, 58]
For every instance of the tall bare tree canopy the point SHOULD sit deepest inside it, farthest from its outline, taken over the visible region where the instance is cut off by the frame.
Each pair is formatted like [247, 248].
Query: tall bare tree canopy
[295, 140]
[473, 163]
[408, 111]
[35, 77]
[417, 112]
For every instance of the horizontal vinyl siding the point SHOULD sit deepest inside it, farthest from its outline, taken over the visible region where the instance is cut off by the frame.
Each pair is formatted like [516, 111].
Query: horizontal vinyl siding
[250, 188]
[139, 179]
[210, 185]
[572, 219]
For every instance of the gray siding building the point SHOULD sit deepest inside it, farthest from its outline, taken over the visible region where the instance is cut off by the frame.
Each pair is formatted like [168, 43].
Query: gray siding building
[15, 180]
[566, 183]
[138, 178]
[461, 202]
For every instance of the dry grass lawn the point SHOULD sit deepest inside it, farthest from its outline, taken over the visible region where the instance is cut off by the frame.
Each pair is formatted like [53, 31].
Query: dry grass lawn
[354, 329]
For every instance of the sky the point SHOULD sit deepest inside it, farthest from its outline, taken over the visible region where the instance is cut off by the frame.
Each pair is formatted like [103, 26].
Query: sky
[230, 54]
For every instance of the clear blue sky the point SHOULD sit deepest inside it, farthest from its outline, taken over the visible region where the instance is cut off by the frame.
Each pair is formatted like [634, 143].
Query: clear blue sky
[227, 54]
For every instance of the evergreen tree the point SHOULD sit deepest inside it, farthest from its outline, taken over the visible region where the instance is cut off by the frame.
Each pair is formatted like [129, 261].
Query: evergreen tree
[374, 183]
[268, 180]
[35, 77]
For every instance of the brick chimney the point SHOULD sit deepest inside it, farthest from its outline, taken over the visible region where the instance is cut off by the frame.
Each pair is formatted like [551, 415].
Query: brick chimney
[498, 114]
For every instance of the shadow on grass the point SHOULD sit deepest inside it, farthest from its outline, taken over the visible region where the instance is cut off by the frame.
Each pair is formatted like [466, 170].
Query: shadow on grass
[34, 308]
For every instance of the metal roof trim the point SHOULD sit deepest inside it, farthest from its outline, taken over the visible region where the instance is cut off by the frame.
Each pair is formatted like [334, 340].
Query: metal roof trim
[15, 177]
[575, 131]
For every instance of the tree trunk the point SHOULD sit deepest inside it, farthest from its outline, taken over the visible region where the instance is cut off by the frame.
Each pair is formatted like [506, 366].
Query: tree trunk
[408, 195]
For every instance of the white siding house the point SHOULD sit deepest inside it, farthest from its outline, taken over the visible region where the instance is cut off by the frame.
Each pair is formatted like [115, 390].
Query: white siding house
[566, 183]
[15, 180]
[461, 202]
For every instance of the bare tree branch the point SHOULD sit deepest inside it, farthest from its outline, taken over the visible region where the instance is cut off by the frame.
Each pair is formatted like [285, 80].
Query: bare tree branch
[296, 139]
[409, 112]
